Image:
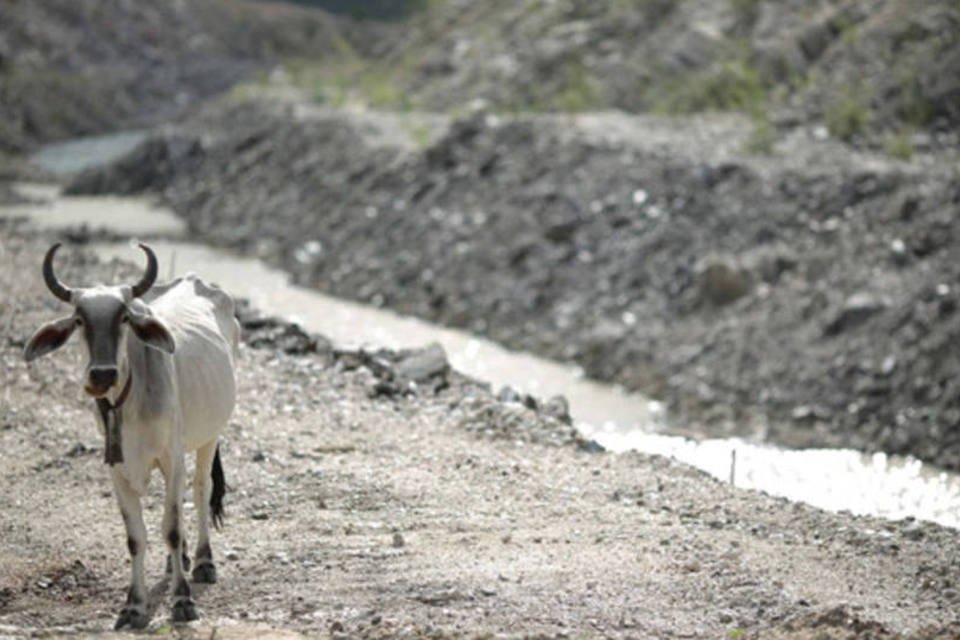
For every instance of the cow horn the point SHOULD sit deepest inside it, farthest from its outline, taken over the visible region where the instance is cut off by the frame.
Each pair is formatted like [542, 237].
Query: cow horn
[149, 276]
[56, 287]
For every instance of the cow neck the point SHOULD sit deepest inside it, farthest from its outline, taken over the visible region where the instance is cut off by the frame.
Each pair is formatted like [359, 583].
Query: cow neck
[112, 422]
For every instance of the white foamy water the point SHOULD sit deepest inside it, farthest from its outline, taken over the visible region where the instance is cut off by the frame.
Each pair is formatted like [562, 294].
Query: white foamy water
[837, 480]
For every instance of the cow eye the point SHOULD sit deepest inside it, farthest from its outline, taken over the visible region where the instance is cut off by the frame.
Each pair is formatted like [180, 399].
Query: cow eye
[79, 321]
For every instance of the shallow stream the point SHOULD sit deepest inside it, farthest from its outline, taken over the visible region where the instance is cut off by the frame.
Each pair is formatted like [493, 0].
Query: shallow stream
[881, 485]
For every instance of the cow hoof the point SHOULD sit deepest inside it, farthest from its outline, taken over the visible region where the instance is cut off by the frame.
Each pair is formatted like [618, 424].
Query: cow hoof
[205, 573]
[132, 618]
[184, 611]
[186, 563]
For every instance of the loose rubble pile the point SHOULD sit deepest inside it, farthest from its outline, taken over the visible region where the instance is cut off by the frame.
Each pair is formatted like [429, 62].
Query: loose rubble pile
[425, 372]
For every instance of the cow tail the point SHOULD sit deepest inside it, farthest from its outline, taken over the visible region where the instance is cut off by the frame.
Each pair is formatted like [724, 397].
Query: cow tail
[219, 489]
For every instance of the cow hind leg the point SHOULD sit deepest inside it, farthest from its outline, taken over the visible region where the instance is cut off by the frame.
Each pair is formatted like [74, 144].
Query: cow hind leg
[208, 487]
[134, 612]
[184, 558]
[184, 609]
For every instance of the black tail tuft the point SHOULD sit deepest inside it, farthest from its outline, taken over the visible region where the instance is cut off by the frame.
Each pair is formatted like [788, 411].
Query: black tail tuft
[219, 488]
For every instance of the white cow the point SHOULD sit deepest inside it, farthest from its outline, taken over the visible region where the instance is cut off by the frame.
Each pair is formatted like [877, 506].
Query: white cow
[161, 368]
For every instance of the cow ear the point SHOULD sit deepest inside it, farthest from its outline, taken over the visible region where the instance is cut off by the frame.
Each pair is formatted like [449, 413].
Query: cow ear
[49, 337]
[152, 332]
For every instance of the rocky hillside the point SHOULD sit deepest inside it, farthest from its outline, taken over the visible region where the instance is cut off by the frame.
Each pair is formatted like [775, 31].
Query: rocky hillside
[811, 294]
[75, 67]
[877, 71]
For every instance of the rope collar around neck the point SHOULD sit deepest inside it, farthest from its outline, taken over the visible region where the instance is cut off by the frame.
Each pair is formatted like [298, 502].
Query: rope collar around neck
[112, 422]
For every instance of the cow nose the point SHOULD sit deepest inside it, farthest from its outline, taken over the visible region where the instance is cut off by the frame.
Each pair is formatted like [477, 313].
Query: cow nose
[103, 377]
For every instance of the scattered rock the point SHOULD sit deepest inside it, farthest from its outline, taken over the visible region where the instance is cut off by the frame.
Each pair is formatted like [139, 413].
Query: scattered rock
[856, 310]
[422, 364]
[722, 280]
[558, 408]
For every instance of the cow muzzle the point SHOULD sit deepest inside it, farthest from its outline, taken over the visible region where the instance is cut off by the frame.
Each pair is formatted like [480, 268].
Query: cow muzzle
[100, 380]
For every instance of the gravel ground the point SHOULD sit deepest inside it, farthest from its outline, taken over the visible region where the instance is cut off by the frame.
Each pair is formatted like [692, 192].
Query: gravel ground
[360, 514]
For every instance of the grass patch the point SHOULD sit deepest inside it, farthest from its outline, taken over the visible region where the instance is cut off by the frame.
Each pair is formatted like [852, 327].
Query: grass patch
[899, 145]
[350, 80]
[578, 90]
[731, 86]
[763, 136]
[573, 91]
[419, 133]
[746, 11]
[912, 105]
[848, 115]
[653, 10]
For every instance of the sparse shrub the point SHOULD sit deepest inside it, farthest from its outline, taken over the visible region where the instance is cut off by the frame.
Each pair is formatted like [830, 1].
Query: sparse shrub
[847, 116]
[380, 90]
[419, 134]
[899, 145]
[578, 91]
[746, 11]
[914, 107]
[763, 136]
[732, 86]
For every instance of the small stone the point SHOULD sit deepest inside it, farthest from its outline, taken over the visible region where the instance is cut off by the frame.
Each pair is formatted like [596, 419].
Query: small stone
[722, 280]
[398, 540]
[899, 250]
[888, 365]
[557, 407]
[857, 309]
[423, 364]
[508, 394]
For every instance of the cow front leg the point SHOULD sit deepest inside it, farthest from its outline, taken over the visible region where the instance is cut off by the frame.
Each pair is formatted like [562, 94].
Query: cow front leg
[134, 612]
[204, 570]
[184, 609]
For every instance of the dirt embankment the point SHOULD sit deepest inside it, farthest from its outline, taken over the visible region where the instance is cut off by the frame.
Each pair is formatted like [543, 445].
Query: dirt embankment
[356, 513]
[810, 295]
[75, 67]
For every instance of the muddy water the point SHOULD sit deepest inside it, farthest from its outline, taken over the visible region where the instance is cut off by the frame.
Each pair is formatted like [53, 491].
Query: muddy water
[75, 155]
[831, 479]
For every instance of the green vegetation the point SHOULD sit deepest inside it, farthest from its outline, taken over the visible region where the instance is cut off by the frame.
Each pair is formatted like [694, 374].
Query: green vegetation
[575, 91]
[899, 145]
[730, 86]
[653, 10]
[914, 107]
[578, 91]
[848, 115]
[763, 136]
[349, 79]
[746, 11]
[419, 133]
